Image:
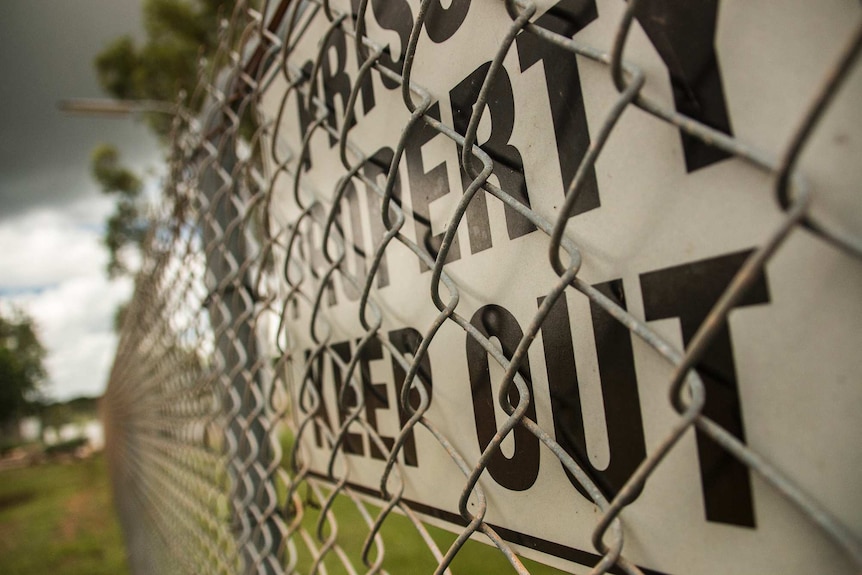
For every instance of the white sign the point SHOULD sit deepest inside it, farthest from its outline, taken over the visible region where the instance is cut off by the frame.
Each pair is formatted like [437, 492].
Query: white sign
[663, 225]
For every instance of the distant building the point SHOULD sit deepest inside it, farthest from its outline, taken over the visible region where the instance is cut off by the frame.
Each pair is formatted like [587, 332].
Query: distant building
[30, 428]
[91, 430]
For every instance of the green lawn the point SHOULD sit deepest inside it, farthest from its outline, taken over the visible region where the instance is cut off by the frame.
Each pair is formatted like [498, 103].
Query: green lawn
[405, 552]
[59, 519]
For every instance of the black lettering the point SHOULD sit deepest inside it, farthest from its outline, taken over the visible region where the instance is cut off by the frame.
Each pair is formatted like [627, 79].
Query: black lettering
[442, 23]
[320, 414]
[306, 112]
[354, 249]
[376, 169]
[683, 33]
[366, 86]
[508, 166]
[336, 82]
[562, 78]
[393, 15]
[407, 341]
[689, 292]
[427, 185]
[375, 394]
[352, 441]
[626, 444]
[357, 253]
[314, 247]
[519, 472]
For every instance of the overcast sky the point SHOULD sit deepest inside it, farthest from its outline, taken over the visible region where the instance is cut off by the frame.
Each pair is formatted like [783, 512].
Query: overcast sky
[52, 263]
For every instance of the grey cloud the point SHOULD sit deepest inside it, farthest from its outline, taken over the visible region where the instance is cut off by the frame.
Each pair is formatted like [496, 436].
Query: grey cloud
[46, 54]
[51, 212]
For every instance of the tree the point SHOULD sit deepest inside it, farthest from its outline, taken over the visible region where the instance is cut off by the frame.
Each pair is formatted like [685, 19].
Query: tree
[126, 227]
[21, 370]
[178, 34]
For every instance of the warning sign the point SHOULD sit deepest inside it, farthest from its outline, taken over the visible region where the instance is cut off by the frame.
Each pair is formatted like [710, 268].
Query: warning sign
[663, 223]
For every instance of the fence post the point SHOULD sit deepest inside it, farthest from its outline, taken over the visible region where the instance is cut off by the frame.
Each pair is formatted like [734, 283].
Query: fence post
[231, 305]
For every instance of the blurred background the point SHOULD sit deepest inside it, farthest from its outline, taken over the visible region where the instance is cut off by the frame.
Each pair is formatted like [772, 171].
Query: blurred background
[57, 301]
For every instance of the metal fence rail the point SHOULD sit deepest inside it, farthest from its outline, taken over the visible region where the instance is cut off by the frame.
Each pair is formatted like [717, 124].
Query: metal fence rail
[203, 389]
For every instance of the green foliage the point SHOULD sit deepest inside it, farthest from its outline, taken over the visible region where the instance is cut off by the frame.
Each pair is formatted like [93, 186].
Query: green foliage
[178, 34]
[117, 66]
[126, 227]
[57, 414]
[66, 447]
[8, 445]
[21, 368]
[84, 407]
[114, 178]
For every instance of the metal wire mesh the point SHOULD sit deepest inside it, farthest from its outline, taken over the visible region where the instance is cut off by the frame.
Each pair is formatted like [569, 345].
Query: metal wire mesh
[221, 355]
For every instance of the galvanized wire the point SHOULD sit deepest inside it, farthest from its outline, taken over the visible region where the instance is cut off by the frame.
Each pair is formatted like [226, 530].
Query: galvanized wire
[202, 378]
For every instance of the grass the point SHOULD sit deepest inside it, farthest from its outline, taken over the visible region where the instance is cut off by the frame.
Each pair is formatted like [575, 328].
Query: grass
[59, 518]
[404, 549]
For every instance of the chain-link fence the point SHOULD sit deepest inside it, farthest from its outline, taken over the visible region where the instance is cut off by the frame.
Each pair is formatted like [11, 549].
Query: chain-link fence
[271, 406]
